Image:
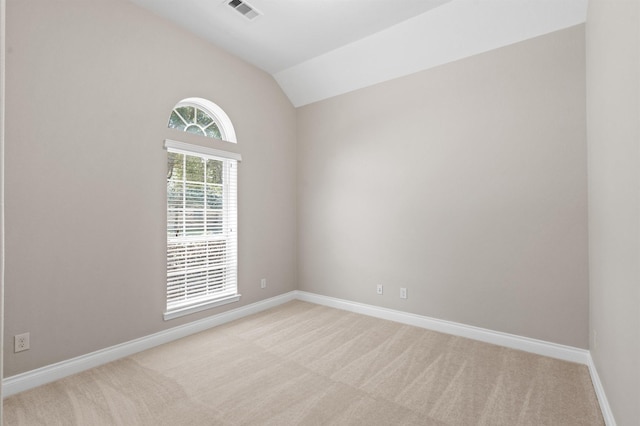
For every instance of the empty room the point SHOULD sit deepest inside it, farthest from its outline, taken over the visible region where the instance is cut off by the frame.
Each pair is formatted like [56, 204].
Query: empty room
[310, 212]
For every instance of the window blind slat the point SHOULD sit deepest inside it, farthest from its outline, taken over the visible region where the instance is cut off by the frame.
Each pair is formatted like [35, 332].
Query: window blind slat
[201, 229]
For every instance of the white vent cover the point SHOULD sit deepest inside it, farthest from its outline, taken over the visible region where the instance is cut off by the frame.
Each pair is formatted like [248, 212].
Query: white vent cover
[244, 9]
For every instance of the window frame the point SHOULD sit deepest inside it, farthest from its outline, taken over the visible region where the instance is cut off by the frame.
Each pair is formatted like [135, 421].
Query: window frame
[197, 304]
[218, 115]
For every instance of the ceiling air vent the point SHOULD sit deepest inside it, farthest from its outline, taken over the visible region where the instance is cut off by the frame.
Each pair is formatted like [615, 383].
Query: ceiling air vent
[244, 9]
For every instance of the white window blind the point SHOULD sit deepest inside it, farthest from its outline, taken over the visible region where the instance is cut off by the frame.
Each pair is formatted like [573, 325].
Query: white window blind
[201, 228]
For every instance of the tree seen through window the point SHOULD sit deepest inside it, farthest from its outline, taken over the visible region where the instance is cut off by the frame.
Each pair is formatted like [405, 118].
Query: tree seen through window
[195, 120]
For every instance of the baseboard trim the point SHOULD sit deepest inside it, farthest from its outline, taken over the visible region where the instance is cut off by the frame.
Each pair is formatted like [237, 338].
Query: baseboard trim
[540, 347]
[31, 379]
[607, 414]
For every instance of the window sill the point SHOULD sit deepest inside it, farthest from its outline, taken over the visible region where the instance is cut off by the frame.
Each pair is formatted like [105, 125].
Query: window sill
[176, 313]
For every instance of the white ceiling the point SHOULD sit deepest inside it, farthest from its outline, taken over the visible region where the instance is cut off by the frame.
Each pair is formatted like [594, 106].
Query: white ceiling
[316, 49]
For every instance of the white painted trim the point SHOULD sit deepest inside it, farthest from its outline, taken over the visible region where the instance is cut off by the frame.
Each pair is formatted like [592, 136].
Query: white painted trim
[213, 109]
[187, 148]
[540, 347]
[192, 309]
[607, 414]
[49, 373]
[41, 376]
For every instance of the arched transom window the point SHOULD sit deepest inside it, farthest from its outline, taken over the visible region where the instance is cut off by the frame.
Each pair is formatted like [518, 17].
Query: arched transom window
[202, 117]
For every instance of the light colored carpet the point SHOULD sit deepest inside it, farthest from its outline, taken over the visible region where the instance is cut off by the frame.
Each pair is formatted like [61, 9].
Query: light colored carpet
[303, 364]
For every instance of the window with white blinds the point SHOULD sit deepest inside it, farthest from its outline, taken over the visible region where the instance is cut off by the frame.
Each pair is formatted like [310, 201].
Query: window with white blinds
[202, 258]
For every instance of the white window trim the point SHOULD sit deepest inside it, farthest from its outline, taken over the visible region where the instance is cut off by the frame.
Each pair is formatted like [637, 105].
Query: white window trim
[187, 148]
[221, 117]
[177, 313]
[190, 149]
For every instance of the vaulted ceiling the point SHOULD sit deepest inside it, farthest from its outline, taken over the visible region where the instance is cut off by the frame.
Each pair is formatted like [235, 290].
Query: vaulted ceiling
[316, 49]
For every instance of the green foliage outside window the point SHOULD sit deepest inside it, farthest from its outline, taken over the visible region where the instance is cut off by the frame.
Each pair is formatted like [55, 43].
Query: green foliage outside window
[194, 120]
[194, 194]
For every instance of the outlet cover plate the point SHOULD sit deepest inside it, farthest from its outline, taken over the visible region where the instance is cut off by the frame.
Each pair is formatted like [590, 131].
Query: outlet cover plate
[21, 342]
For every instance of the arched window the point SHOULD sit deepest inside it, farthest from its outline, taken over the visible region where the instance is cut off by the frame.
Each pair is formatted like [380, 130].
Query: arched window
[202, 117]
[201, 212]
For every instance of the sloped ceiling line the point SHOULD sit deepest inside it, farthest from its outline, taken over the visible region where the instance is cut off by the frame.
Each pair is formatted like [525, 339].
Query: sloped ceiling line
[317, 49]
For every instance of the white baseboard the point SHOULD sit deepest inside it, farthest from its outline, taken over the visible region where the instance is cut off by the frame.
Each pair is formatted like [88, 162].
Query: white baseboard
[540, 347]
[31, 379]
[607, 414]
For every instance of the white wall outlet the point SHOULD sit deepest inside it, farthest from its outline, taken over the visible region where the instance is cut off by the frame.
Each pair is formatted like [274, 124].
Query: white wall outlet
[403, 293]
[20, 342]
[263, 283]
[379, 289]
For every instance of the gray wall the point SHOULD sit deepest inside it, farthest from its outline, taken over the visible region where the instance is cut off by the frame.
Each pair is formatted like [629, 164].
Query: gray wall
[613, 111]
[465, 183]
[90, 86]
[2, 108]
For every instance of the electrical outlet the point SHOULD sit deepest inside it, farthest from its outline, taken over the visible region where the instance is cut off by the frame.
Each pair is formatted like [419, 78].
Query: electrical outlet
[263, 283]
[21, 342]
[403, 293]
[379, 289]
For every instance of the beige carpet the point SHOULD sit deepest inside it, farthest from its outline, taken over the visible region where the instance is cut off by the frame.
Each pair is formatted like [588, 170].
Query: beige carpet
[303, 364]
